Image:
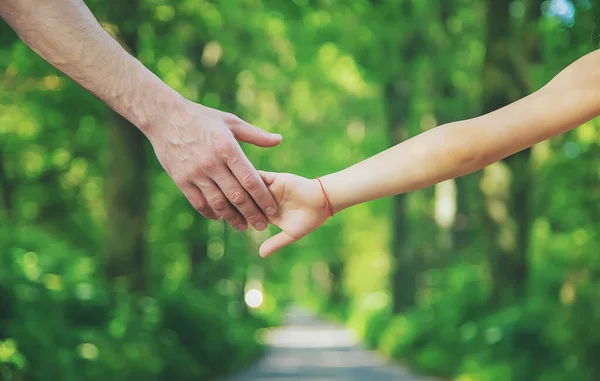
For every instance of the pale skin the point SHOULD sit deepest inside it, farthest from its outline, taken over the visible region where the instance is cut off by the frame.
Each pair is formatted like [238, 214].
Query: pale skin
[198, 146]
[448, 151]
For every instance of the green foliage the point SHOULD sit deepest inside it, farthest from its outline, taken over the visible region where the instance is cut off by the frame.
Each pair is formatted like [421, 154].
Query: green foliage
[340, 82]
[61, 320]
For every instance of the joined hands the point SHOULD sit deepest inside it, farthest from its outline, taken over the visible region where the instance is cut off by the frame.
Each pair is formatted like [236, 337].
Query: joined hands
[302, 207]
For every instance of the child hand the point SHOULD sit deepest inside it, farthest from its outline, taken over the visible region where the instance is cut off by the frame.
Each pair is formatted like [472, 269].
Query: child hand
[302, 208]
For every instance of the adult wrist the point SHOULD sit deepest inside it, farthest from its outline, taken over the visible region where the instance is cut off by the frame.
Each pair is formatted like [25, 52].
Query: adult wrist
[152, 105]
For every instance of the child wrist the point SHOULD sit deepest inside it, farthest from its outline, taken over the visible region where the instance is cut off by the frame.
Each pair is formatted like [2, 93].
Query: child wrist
[328, 206]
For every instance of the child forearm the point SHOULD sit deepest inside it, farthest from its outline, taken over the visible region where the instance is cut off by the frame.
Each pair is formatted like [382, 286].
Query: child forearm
[459, 148]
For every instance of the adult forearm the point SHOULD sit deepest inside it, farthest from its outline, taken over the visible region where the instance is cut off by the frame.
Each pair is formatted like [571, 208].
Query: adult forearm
[198, 146]
[459, 148]
[66, 34]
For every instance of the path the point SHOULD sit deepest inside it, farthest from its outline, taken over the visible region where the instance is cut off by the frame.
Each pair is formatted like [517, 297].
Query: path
[309, 349]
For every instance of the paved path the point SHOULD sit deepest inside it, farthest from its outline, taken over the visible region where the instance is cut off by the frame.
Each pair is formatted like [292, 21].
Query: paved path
[309, 349]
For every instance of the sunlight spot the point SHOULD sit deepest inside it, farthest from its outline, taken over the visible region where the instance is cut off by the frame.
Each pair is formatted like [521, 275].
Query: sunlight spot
[116, 328]
[7, 349]
[586, 133]
[445, 203]
[253, 298]
[216, 250]
[185, 220]
[507, 238]
[246, 78]
[567, 293]
[497, 210]
[245, 96]
[51, 82]
[428, 122]
[88, 351]
[212, 54]
[30, 264]
[111, 29]
[53, 282]
[33, 161]
[541, 152]
[496, 179]
[493, 335]
[356, 131]
[28, 128]
[61, 157]
[563, 10]
[30, 259]
[84, 291]
[165, 13]
[517, 9]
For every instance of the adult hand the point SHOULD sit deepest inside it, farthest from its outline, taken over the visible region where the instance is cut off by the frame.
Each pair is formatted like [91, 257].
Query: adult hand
[195, 144]
[198, 147]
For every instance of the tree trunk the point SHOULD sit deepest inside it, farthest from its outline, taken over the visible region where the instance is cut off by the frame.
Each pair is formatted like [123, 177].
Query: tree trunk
[126, 181]
[508, 213]
[127, 192]
[405, 270]
[6, 190]
[337, 299]
[198, 246]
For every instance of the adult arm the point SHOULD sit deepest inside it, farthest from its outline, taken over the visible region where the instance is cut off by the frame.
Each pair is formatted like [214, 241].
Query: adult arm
[198, 146]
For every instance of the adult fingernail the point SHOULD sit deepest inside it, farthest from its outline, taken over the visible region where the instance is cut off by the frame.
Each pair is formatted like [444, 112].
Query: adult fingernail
[271, 210]
[261, 226]
[240, 227]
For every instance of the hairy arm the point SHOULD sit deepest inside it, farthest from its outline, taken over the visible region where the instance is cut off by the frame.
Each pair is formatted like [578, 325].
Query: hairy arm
[197, 146]
[66, 34]
[459, 148]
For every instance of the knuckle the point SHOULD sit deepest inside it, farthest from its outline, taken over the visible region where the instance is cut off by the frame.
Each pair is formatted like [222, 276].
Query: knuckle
[250, 181]
[219, 204]
[235, 221]
[224, 149]
[180, 182]
[179, 179]
[253, 218]
[211, 216]
[233, 159]
[200, 208]
[230, 118]
[237, 196]
[259, 131]
[208, 165]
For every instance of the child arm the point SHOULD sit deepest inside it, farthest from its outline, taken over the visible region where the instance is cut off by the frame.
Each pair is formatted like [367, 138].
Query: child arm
[456, 149]
[448, 151]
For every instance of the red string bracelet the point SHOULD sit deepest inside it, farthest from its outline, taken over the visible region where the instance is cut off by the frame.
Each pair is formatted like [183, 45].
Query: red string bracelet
[329, 211]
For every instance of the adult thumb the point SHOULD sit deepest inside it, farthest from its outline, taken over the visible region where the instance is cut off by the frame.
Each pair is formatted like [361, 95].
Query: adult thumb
[245, 132]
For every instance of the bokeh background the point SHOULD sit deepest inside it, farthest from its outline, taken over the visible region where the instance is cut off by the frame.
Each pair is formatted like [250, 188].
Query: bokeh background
[106, 272]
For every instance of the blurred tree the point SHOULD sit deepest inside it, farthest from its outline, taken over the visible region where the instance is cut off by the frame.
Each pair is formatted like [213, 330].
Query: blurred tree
[508, 208]
[5, 189]
[126, 179]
